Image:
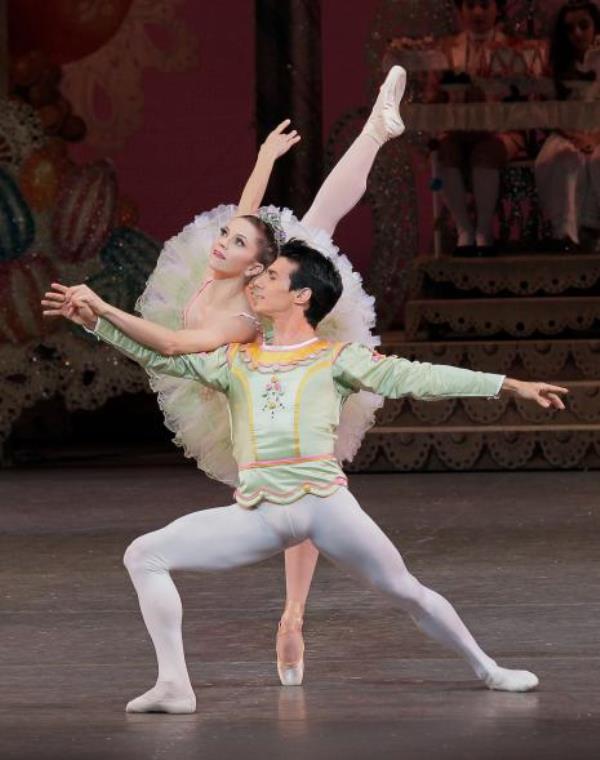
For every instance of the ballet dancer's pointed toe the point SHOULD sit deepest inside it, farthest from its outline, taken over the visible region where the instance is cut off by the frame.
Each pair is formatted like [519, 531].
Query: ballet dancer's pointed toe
[505, 679]
[290, 652]
[164, 698]
[385, 121]
[291, 675]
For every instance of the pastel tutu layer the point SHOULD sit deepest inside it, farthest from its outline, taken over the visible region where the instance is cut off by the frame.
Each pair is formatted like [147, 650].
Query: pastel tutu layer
[199, 416]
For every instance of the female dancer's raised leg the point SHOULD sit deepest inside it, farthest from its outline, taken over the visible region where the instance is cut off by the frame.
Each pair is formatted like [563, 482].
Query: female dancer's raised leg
[341, 191]
[347, 182]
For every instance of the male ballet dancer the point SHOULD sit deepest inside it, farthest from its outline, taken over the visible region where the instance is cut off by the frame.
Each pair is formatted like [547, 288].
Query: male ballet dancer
[285, 400]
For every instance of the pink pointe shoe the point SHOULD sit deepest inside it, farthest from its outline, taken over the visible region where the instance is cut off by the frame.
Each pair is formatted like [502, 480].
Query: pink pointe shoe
[290, 646]
[385, 122]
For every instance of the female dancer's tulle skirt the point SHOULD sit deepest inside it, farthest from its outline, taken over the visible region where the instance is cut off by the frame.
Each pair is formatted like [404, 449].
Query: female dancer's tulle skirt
[199, 416]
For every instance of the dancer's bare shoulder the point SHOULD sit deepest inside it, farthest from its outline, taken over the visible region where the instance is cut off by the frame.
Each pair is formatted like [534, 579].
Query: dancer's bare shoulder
[240, 328]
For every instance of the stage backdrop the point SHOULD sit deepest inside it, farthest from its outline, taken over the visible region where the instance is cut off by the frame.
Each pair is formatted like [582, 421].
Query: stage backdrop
[119, 123]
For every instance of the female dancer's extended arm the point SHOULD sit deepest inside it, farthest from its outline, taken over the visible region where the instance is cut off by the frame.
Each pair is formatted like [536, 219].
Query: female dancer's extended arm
[234, 329]
[277, 143]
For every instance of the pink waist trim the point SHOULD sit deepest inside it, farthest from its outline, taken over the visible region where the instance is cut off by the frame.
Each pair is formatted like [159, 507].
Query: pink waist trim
[287, 497]
[287, 460]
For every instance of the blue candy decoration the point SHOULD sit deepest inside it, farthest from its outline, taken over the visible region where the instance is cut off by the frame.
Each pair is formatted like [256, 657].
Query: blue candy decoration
[129, 257]
[17, 228]
[131, 253]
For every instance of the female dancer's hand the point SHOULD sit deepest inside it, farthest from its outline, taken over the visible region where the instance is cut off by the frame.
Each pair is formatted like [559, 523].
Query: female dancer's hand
[276, 144]
[278, 141]
[548, 396]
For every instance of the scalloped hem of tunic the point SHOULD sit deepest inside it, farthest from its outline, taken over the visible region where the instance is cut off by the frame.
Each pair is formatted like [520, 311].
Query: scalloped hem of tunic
[288, 497]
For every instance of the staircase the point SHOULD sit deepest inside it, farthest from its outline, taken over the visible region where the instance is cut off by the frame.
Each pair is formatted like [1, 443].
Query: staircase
[533, 317]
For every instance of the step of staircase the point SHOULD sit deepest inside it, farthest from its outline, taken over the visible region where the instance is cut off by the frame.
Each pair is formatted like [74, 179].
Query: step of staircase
[479, 447]
[533, 316]
[582, 409]
[514, 317]
[481, 429]
[565, 358]
[525, 275]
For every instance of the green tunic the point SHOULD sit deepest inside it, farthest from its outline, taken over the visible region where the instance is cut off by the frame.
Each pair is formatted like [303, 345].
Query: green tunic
[285, 402]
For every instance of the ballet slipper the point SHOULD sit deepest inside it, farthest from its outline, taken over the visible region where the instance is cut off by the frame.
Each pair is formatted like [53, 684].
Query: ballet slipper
[164, 697]
[506, 679]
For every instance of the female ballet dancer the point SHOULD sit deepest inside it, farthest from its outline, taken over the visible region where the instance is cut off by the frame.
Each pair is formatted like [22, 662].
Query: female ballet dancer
[196, 300]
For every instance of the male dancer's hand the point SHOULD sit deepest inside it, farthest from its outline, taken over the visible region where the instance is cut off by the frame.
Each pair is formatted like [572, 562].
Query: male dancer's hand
[548, 396]
[79, 295]
[57, 303]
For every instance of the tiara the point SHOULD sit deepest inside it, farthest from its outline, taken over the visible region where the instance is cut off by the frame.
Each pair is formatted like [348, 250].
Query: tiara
[273, 219]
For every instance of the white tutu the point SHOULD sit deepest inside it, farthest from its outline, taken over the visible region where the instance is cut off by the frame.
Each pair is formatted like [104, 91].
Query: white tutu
[197, 415]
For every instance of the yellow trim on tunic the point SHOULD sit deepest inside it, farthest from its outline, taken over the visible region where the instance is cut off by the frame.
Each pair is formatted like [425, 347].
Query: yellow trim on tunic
[237, 372]
[232, 352]
[337, 349]
[307, 375]
[259, 357]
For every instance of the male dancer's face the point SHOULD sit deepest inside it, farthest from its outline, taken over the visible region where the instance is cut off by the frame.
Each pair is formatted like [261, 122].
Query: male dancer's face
[270, 291]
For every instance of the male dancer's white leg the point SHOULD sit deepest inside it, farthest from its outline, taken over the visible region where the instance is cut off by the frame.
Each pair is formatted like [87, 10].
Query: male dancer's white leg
[212, 539]
[342, 531]
[347, 182]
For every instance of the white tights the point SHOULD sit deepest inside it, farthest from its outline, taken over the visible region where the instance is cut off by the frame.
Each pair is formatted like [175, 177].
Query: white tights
[344, 186]
[230, 537]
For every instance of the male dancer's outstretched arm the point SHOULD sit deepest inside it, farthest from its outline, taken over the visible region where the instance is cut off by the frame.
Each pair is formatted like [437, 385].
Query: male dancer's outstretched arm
[360, 368]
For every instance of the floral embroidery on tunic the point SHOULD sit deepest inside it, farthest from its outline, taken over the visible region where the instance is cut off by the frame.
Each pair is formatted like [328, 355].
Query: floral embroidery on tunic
[272, 396]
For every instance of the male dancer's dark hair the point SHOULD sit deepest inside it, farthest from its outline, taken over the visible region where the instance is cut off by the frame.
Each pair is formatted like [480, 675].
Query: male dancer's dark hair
[317, 272]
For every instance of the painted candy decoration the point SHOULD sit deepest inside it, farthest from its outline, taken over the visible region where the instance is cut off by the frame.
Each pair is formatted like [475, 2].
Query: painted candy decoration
[85, 211]
[66, 30]
[127, 212]
[22, 285]
[41, 174]
[130, 254]
[17, 228]
[129, 257]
